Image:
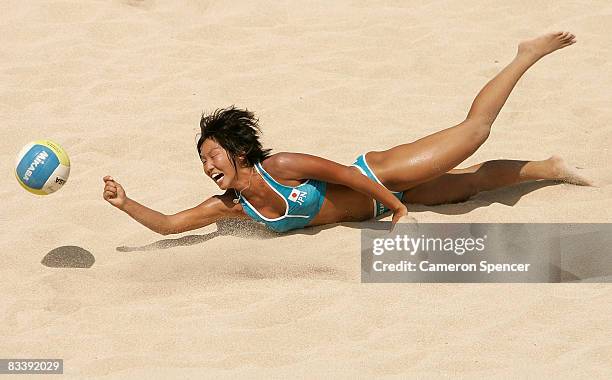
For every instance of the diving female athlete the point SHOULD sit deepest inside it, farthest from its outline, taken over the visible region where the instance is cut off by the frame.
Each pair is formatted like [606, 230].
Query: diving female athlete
[287, 191]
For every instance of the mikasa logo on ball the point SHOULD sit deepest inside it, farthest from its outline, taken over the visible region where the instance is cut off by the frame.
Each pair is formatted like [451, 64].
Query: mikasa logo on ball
[39, 159]
[42, 167]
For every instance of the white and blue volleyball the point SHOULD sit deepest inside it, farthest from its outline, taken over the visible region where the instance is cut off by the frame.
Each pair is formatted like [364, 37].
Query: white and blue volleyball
[42, 167]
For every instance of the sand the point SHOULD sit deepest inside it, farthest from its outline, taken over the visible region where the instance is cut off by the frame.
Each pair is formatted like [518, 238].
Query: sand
[121, 86]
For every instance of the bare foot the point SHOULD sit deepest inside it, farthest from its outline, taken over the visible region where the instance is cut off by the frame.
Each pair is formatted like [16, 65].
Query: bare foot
[562, 172]
[545, 44]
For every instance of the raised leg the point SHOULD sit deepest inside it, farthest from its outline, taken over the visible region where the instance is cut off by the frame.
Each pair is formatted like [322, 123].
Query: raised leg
[408, 165]
[458, 185]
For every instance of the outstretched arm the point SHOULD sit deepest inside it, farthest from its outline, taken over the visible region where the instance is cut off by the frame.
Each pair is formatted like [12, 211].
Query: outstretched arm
[304, 166]
[205, 213]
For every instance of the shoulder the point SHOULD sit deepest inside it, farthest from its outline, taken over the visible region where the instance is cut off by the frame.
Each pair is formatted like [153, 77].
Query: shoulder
[210, 211]
[287, 165]
[224, 204]
[299, 166]
[219, 206]
[277, 161]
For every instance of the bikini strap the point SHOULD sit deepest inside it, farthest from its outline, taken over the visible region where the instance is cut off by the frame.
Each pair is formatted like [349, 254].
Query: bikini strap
[267, 175]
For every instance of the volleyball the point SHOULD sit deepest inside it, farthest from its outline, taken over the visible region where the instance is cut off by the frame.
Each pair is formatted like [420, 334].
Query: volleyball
[42, 167]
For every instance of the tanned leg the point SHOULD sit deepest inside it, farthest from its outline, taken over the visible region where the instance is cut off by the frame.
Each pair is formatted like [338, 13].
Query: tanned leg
[405, 166]
[459, 185]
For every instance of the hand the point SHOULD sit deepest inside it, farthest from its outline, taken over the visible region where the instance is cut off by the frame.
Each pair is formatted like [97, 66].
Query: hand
[400, 213]
[113, 192]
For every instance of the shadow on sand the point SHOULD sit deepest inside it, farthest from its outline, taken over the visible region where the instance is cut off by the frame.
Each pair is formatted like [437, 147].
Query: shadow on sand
[508, 196]
[68, 256]
[77, 257]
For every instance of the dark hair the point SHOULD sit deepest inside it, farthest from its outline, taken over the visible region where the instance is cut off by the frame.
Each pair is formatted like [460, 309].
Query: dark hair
[236, 131]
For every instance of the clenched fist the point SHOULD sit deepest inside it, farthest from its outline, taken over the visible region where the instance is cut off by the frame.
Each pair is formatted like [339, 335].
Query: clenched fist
[113, 192]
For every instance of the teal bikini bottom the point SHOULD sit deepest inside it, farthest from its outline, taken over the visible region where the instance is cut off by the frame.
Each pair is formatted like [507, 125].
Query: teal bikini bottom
[361, 164]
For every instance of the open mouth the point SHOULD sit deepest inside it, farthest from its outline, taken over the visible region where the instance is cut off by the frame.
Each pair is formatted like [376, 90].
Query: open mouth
[217, 177]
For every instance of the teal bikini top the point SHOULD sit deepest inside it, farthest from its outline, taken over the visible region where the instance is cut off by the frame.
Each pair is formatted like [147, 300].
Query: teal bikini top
[303, 203]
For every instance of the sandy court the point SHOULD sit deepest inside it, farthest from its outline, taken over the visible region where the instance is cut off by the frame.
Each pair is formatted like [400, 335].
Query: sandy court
[121, 86]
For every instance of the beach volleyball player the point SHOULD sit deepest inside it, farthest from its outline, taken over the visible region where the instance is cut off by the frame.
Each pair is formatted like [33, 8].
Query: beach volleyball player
[288, 191]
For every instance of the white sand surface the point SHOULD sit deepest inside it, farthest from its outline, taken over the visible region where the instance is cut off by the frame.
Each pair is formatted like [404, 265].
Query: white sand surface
[121, 86]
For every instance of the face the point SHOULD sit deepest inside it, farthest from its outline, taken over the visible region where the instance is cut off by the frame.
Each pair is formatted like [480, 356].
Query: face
[217, 164]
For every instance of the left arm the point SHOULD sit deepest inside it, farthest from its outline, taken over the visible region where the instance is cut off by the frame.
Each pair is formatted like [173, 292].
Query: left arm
[304, 166]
